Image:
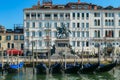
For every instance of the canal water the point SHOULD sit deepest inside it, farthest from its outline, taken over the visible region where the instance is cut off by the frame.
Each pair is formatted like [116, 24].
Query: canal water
[28, 75]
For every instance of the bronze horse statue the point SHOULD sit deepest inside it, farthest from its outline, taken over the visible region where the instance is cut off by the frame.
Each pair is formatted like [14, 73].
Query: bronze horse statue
[63, 31]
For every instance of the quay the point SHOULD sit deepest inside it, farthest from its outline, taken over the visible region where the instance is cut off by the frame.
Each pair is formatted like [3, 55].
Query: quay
[28, 60]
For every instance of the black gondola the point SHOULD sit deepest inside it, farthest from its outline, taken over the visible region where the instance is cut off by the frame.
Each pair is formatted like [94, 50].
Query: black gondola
[56, 68]
[72, 69]
[41, 68]
[88, 68]
[105, 68]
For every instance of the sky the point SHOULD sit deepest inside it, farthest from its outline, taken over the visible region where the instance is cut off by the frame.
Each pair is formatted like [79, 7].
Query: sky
[11, 11]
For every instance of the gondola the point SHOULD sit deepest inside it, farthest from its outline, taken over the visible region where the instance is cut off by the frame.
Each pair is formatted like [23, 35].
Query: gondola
[41, 68]
[72, 68]
[106, 68]
[14, 68]
[88, 68]
[56, 68]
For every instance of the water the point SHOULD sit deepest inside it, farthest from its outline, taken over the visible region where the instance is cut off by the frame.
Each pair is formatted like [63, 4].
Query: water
[28, 75]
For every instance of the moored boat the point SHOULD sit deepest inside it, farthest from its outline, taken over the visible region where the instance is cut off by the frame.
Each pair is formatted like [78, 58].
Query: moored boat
[88, 68]
[107, 67]
[56, 68]
[41, 68]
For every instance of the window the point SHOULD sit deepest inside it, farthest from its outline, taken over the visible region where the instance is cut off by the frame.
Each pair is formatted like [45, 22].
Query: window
[73, 43]
[73, 15]
[87, 15]
[73, 33]
[83, 44]
[27, 24]
[61, 15]
[55, 15]
[78, 15]
[27, 15]
[87, 25]
[33, 24]
[0, 37]
[40, 43]
[87, 34]
[78, 33]
[40, 34]
[55, 24]
[109, 14]
[87, 43]
[47, 15]
[98, 33]
[78, 25]
[8, 45]
[12, 45]
[119, 14]
[15, 37]
[33, 43]
[8, 37]
[21, 37]
[83, 34]
[119, 33]
[95, 33]
[96, 14]
[78, 43]
[55, 34]
[33, 33]
[119, 23]
[82, 15]
[73, 25]
[0, 45]
[22, 46]
[95, 22]
[40, 24]
[38, 15]
[27, 34]
[33, 15]
[83, 25]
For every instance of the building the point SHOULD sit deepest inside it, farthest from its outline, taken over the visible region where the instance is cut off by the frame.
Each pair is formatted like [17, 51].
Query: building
[90, 24]
[11, 38]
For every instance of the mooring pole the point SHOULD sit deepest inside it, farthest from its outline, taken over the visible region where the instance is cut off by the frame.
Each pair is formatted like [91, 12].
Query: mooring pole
[2, 63]
[33, 59]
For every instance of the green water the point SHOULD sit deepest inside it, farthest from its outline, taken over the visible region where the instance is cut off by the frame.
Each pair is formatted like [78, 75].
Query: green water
[28, 75]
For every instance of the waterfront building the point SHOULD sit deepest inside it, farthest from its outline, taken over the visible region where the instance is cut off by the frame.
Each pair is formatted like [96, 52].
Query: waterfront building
[90, 24]
[11, 38]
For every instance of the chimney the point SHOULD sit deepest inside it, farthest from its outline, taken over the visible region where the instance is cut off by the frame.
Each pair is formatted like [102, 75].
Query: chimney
[78, 1]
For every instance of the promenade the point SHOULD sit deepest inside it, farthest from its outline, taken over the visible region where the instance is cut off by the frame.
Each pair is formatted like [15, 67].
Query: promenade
[28, 60]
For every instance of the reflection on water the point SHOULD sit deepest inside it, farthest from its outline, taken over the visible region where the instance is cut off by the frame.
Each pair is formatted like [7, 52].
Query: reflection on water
[112, 75]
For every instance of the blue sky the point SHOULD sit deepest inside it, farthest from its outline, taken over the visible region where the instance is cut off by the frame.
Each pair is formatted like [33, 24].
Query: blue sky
[11, 11]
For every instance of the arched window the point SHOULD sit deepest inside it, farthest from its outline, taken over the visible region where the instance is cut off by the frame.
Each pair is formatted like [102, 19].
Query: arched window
[95, 33]
[98, 22]
[98, 33]
[106, 23]
[109, 22]
[95, 22]
[106, 33]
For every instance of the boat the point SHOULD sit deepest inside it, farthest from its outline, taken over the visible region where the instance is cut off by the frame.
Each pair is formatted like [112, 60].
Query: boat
[56, 68]
[106, 68]
[88, 68]
[72, 68]
[14, 68]
[41, 68]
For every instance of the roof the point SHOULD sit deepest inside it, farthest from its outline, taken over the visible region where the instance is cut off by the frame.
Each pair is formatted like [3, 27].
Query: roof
[69, 6]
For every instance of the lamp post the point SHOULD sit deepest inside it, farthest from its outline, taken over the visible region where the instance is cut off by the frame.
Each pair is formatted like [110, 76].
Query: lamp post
[33, 56]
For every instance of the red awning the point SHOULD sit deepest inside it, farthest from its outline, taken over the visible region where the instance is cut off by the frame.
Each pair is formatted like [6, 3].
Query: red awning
[14, 51]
